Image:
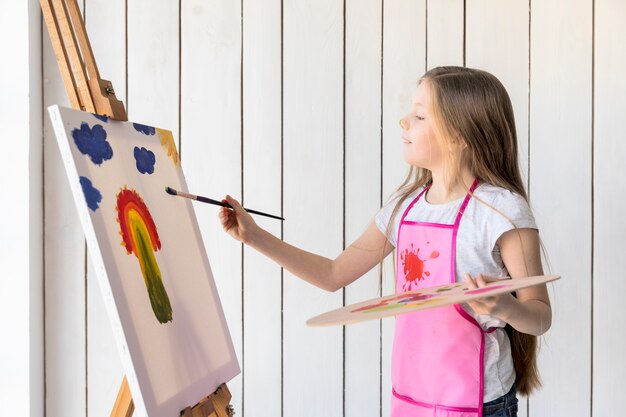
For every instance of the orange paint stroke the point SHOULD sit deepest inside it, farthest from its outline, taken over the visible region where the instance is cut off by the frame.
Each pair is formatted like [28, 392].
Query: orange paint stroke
[168, 144]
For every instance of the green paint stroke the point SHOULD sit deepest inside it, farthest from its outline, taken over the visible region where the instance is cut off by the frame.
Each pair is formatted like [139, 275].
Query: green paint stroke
[451, 287]
[150, 269]
[387, 307]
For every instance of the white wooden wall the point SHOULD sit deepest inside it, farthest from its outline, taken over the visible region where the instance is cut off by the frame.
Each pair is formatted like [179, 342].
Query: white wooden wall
[293, 106]
[21, 212]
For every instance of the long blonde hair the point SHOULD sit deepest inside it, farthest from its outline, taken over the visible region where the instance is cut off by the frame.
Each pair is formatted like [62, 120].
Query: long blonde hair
[472, 106]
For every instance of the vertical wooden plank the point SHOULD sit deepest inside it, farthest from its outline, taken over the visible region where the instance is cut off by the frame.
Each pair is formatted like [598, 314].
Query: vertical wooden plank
[33, 97]
[153, 67]
[560, 187]
[404, 61]
[313, 199]
[105, 21]
[445, 33]
[609, 182]
[497, 41]
[262, 189]
[211, 142]
[21, 245]
[362, 193]
[106, 27]
[104, 366]
[64, 267]
[153, 63]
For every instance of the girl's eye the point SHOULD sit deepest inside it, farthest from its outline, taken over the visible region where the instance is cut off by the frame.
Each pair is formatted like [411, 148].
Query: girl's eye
[418, 117]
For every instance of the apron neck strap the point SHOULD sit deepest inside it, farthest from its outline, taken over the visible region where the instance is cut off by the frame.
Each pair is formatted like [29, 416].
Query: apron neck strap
[465, 203]
[413, 202]
[461, 210]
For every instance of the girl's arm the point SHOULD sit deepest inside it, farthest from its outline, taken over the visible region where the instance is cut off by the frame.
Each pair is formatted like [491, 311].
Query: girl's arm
[530, 312]
[361, 256]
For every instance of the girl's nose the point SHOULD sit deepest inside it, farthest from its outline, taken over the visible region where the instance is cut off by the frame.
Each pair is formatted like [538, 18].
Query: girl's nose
[403, 124]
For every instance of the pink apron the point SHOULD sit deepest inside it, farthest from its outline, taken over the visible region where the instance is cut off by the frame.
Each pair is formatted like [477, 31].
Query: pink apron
[437, 365]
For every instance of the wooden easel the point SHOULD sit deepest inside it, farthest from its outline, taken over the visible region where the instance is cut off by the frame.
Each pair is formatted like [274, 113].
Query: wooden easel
[88, 92]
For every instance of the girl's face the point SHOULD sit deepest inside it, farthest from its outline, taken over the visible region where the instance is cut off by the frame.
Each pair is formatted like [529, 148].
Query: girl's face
[420, 145]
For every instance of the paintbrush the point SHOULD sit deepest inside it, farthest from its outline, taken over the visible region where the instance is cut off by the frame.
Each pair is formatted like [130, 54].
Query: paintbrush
[172, 191]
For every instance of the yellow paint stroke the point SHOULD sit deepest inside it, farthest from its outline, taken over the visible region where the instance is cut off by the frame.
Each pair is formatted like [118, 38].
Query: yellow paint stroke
[149, 268]
[168, 144]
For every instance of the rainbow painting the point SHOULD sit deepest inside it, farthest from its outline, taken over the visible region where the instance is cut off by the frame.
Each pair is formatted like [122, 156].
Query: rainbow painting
[140, 237]
[149, 258]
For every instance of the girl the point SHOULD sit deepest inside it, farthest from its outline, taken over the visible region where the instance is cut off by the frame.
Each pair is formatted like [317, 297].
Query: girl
[460, 215]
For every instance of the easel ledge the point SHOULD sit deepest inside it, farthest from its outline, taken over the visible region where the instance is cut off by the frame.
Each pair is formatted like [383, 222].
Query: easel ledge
[214, 405]
[88, 92]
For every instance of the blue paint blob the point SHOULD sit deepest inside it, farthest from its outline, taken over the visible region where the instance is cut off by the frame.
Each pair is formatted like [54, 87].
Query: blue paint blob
[145, 160]
[146, 130]
[93, 197]
[93, 142]
[105, 119]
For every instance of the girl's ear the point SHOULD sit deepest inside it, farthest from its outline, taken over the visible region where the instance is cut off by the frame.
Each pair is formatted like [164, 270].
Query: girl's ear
[458, 144]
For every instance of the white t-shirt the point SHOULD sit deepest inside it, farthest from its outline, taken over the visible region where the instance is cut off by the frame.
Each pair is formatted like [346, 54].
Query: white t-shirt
[476, 252]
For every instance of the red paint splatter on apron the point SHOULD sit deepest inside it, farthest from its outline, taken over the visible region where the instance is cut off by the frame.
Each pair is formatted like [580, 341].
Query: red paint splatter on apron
[413, 267]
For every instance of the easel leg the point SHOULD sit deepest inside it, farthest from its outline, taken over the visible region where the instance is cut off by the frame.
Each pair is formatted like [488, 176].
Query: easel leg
[123, 406]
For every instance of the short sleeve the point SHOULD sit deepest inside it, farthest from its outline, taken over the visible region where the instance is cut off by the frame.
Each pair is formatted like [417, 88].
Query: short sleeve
[514, 213]
[383, 217]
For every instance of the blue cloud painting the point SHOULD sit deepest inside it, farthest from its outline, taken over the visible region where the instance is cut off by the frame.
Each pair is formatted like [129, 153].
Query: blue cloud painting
[93, 196]
[93, 142]
[145, 160]
[146, 130]
[105, 119]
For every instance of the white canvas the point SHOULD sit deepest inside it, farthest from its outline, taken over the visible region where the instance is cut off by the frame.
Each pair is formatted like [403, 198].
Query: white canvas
[151, 262]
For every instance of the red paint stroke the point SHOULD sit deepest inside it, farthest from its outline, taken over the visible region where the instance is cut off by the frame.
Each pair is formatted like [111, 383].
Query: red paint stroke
[128, 200]
[413, 266]
[416, 297]
[487, 289]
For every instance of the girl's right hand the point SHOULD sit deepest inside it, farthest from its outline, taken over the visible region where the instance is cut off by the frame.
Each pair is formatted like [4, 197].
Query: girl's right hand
[236, 221]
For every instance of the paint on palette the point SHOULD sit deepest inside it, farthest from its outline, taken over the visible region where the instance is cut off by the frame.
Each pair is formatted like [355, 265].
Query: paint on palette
[449, 287]
[413, 266]
[93, 196]
[146, 130]
[415, 299]
[432, 299]
[140, 237]
[426, 302]
[487, 289]
[168, 144]
[144, 160]
[93, 142]
[384, 307]
[398, 301]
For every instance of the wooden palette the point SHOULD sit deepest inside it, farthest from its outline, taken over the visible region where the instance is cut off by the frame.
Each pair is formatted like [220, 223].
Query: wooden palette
[422, 299]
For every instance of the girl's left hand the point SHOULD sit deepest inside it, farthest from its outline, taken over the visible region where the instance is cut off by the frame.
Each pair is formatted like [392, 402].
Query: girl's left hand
[494, 305]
